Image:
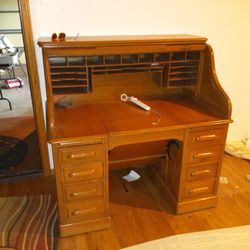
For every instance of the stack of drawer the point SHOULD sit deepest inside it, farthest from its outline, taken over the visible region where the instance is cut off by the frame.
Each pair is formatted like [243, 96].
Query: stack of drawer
[202, 162]
[81, 184]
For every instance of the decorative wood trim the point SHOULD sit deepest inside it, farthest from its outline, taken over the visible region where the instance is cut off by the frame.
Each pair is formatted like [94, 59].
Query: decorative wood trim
[34, 83]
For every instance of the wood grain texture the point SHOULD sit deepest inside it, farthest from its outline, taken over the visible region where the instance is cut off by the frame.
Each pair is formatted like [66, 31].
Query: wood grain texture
[34, 83]
[120, 40]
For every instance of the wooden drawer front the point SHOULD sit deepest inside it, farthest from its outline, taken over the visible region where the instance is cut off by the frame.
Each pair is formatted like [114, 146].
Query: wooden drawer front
[85, 210]
[213, 136]
[89, 170]
[204, 154]
[83, 190]
[199, 189]
[201, 172]
[72, 156]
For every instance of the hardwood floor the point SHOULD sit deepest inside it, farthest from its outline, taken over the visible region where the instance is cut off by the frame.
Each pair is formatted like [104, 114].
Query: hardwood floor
[140, 213]
[29, 185]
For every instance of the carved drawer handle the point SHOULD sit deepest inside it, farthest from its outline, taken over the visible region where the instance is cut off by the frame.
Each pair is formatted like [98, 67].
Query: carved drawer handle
[201, 172]
[205, 138]
[83, 193]
[83, 211]
[202, 155]
[82, 173]
[81, 155]
[198, 190]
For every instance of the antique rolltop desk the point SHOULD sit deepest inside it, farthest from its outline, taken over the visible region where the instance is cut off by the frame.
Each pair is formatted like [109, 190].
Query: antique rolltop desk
[92, 131]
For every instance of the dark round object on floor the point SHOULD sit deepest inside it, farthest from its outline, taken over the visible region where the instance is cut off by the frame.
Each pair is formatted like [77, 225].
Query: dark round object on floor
[12, 152]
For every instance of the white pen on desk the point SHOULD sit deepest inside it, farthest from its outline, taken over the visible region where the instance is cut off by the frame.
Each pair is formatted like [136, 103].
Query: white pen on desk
[133, 99]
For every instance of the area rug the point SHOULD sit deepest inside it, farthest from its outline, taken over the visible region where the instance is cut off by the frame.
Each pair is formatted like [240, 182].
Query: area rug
[12, 152]
[218, 239]
[28, 222]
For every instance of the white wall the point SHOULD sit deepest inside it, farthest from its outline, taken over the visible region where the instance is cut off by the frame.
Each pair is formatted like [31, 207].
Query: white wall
[226, 24]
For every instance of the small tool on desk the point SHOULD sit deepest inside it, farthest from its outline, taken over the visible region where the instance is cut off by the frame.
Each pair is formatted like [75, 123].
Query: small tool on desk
[133, 99]
[125, 98]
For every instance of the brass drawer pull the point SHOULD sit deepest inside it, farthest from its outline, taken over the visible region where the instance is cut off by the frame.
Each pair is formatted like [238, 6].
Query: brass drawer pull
[206, 138]
[201, 172]
[76, 194]
[202, 155]
[81, 155]
[82, 173]
[198, 190]
[84, 211]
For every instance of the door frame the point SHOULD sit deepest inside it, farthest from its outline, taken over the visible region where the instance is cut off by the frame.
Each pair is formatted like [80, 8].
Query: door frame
[34, 84]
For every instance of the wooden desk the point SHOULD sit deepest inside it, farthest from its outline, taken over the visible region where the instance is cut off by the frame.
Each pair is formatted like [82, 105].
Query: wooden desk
[92, 131]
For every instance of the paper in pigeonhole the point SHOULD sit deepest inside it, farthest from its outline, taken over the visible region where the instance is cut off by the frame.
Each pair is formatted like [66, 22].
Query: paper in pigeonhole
[131, 176]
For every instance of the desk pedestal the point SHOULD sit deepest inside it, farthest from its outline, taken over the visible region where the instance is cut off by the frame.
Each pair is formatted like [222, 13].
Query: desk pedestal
[188, 173]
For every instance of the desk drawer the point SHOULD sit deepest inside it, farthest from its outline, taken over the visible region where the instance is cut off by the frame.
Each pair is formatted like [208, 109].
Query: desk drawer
[78, 211]
[203, 137]
[88, 171]
[72, 156]
[201, 172]
[83, 190]
[204, 154]
[199, 189]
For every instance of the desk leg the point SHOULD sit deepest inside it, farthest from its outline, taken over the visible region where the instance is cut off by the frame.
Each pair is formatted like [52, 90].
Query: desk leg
[5, 99]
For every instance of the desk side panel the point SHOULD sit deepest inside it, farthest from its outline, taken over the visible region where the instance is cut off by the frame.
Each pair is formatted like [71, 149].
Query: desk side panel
[210, 94]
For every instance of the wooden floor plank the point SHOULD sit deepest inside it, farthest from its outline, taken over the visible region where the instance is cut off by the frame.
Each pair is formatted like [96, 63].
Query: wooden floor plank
[69, 243]
[102, 240]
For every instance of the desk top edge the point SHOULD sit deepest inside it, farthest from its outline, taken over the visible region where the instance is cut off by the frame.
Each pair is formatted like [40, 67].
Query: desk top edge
[46, 42]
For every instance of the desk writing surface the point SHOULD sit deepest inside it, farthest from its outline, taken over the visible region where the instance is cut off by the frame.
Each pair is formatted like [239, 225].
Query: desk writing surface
[121, 116]
[76, 121]
[79, 120]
